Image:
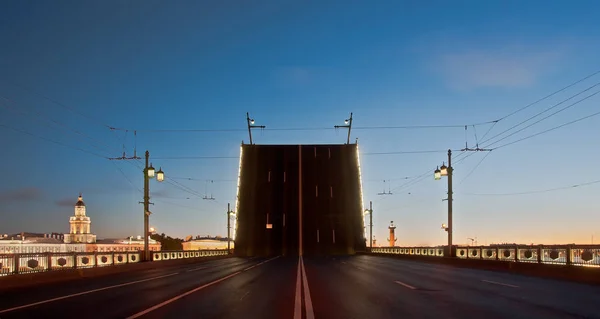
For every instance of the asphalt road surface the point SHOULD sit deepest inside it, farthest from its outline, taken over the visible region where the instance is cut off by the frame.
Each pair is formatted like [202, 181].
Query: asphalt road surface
[315, 287]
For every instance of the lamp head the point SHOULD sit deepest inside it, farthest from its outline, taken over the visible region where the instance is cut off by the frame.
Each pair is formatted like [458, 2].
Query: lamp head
[444, 170]
[150, 171]
[437, 174]
[160, 175]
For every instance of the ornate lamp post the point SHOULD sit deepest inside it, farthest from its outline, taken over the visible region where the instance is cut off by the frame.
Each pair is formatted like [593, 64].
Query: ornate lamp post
[149, 173]
[437, 174]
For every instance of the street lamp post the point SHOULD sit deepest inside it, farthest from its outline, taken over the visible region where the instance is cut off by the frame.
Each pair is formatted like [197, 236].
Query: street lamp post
[370, 212]
[229, 213]
[438, 173]
[149, 173]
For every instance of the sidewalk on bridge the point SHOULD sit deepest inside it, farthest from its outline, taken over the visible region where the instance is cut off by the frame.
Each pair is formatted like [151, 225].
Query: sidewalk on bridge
[586, 275]
[55, 276]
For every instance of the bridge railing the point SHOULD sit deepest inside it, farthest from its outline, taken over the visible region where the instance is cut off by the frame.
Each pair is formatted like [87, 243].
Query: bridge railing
[14, 264]
[569, 255]
[185, 254]
[420, 251]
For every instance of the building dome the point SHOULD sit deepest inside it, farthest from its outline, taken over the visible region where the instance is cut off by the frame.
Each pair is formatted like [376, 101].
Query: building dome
[80, 202]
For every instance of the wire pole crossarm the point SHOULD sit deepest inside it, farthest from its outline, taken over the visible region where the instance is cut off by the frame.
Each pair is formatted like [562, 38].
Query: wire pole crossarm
[252, 126]
[348, 126]
[477, 149]
[121, 158]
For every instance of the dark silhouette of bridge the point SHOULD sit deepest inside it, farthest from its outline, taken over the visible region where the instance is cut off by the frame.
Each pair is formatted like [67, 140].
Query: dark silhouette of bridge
[296, 199]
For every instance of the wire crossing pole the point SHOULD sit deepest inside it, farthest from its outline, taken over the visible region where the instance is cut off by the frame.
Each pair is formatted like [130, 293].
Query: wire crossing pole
[228, 229]
[146, 208]
[348, 125]
[370, 212]
[252, 126]
[300, 246]
[450, 169]
[371, 224]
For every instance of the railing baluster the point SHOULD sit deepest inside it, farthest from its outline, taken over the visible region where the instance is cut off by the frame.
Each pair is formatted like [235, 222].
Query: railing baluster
[16, 263]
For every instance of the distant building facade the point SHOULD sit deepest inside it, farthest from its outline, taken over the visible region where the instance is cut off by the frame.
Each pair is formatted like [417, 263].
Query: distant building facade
[79, 239]
[207, 243]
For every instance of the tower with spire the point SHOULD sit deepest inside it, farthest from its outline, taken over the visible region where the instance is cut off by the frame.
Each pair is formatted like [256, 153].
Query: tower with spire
[80, 225]
[392, 239]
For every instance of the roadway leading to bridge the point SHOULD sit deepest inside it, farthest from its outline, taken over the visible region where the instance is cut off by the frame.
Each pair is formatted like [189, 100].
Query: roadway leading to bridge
[332, 287]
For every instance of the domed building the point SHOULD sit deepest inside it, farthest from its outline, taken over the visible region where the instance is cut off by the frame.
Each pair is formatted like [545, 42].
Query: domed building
[80, 226]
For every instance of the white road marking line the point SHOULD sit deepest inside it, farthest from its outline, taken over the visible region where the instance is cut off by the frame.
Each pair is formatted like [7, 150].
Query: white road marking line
[164, 303]
[360, 268]
[246, 294]
[194, 269]
[298, 299]
[307, 301]
[84, 293]
[499, 283]
[259, 264]
[405, 285]
[343, 262]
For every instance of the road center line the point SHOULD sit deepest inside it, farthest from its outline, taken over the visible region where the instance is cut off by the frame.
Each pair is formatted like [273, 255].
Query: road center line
[84, 293]
[499, 283]
[194, 269]
[405, 285]
[164, 303]
[307, 301]
[298, 299]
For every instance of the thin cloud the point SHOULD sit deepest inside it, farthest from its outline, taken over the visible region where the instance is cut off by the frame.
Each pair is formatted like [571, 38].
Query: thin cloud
[512, 68]
[21, 195]
[295, 75]
[65, 202]
[160, 193]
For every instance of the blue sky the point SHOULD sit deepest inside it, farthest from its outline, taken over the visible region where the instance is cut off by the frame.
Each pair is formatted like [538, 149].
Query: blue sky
[69, 69]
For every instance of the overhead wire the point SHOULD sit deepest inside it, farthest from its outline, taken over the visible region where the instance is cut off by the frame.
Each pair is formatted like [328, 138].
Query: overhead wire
[542, 112]
[535, 191]
[237, 157]
[203, 179]
[488, 131]
[53, 141]
[390, 179]
[463, 155]
[127, 178]
[301, 128]
[194, 157]
[474, 168]
[405, 152]
[55, 122]
[542, 119]
[137, 164]
[550, 95]
[39, 94]
[548, 130]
